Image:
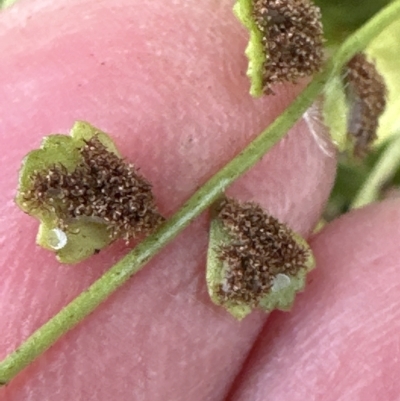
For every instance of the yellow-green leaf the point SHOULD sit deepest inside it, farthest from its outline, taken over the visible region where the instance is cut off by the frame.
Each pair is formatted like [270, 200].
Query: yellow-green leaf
[385, 50]
[83, 238]
[255, 52]
[280, 286]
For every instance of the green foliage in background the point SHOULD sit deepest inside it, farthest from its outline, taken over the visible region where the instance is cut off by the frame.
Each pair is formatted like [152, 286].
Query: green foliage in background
[6, 3]
[342, 17]
[369, 177]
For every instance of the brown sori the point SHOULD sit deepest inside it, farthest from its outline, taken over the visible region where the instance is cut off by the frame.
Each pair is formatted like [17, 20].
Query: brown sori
[261, 248]
[293, 39]
[103, 187]
[367, 93]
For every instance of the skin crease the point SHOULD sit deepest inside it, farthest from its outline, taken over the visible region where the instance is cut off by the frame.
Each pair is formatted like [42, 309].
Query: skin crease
[341, 341]
[169, 84]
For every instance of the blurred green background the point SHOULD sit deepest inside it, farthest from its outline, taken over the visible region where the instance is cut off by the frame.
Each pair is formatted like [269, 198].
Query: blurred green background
[377, 176]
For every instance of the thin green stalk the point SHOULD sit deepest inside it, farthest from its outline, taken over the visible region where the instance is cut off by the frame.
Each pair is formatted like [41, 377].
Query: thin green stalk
[101, 289]
[87, 301]
[360, 39]
[383, 170]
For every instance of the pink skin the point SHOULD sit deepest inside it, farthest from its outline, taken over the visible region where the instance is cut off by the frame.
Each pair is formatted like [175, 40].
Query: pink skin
[341, 340]
[169, 84]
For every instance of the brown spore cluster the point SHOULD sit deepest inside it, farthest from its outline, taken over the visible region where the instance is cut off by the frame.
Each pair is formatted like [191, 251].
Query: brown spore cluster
[367, 94]
[292, 37]
[261, 248]
[102, 187]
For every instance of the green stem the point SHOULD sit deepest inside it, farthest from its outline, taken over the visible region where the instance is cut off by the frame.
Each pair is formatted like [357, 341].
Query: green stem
[100, 290]
[384, 169]
[360, 39]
